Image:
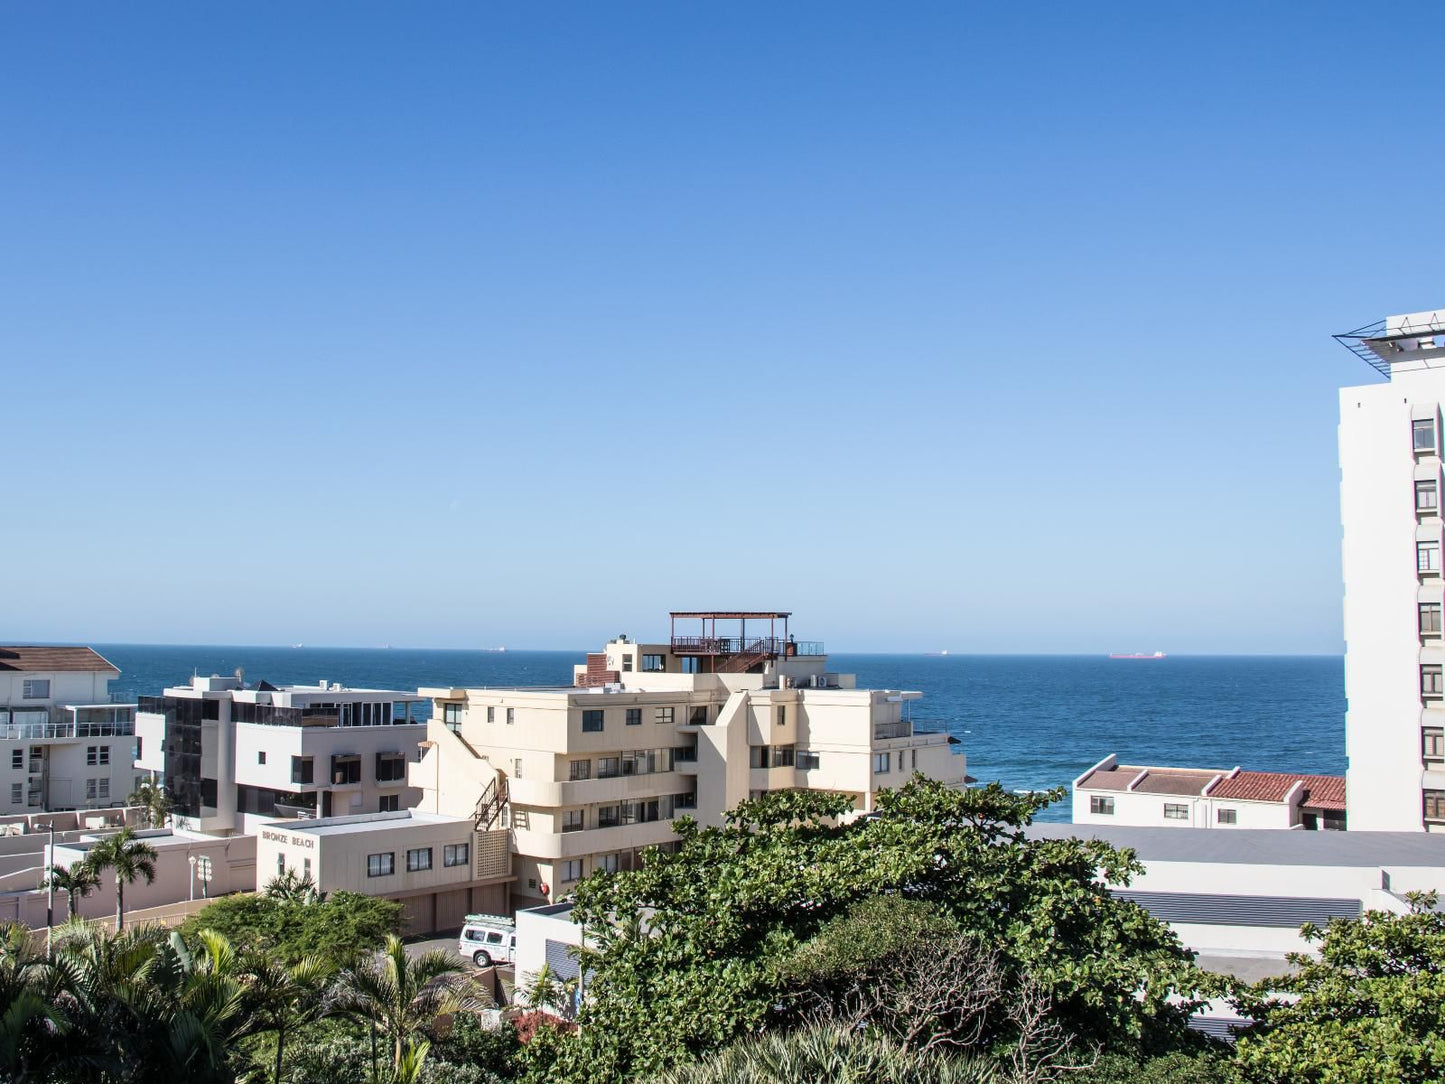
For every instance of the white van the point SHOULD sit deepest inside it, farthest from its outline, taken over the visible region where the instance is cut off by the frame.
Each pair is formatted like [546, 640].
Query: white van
[488, 939]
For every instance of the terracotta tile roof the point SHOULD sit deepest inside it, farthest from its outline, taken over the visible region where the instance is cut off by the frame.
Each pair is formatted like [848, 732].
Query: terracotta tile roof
[1321, 791]
[46, 659]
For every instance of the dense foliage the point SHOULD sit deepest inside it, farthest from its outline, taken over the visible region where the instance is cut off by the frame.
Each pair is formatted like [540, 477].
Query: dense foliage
[294, 925]
[713, 942]
[821, 1052]
[1370, 1007]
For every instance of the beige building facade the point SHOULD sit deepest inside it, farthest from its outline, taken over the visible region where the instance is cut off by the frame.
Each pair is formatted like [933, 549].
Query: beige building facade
[440, 869]
[588, 776]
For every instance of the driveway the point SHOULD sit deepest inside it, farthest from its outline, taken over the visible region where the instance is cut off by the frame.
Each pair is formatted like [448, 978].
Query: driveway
[448, 943]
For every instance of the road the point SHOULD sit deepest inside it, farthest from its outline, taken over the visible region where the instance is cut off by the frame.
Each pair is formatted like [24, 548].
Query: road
[448, 943]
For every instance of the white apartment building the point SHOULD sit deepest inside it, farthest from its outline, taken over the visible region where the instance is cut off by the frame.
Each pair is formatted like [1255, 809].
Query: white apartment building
[1111, 793]
[63, 743]
[235, 756]
[588, 775]
[1390, 464]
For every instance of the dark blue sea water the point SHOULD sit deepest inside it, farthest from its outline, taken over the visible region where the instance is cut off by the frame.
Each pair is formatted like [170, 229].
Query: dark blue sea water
[1030, 721]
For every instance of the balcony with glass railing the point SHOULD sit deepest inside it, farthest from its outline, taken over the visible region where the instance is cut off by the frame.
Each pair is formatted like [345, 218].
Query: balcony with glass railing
[70, 723]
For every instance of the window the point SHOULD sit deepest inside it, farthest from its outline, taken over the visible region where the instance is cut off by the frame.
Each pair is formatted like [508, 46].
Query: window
[1427, 557]
[639, 762]
[608, 816]
[418, 859]
[783, 757]
[882, 762]
[1175, 811]
[491, 713]
[607, 863]
[511, 716]
[653, 664]
[456, 854]
[573, 820]
[780, 715]
[1101, 806]
[1431, 682]
[389, 803]
[306, 868]
[608, 767]
[516, 766]
[35, 689]
[390, 767]
[580, 769]
[97, 754]
[280, 865]
[452, 715]
[97, 789]
[663, 715]
[17, 793]
[1427, 495]
[627, 664]
[345, 768]
[1227, 816]
[381, 865]
[1424, 434]
[592, 721]
[634, 716]
[569, 871]
[698, 716]
[1435, 805]
[17, 759]
[303, 770]
[807, 760]
[1429, 619]
[1432, 743]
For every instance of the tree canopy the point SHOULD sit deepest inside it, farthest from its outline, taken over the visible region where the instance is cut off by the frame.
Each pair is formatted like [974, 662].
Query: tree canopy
[293, 927]
[1369, 1007]
[704, 945]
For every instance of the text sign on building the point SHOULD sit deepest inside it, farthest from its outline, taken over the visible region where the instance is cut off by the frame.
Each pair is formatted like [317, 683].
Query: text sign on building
[305, 842]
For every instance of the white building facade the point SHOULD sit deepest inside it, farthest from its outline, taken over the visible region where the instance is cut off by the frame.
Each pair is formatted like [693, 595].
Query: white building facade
[63, 743]
[235, 756]
[589, 775]
[1390, 461]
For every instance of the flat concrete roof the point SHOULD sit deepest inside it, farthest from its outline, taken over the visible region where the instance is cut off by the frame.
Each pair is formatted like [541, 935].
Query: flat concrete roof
[364, 822]
[1260, 846]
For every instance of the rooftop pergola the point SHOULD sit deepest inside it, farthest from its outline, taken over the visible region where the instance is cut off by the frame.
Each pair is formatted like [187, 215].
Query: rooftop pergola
[731, 641]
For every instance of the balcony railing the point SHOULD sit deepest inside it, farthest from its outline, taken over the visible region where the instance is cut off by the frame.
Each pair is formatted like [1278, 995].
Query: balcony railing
[901, 729]
[65, 730]
[685, 755]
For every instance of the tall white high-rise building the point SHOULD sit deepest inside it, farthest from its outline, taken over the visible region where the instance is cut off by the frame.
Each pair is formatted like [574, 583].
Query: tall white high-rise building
[1390, 463]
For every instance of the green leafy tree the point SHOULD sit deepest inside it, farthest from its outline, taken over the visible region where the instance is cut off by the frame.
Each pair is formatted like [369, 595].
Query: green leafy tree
[336, 929]
[77, 882]
[733, 903]
[401, 996]
[1370, 1007]
[291, 887]
[154, 800]
[129, 858]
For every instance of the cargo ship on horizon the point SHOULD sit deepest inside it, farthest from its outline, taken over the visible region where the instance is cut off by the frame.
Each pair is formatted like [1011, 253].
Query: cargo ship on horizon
[1141, 655]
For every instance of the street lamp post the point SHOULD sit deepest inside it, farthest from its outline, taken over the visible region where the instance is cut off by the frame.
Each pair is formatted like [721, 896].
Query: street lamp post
[193, 878]
[49, 888]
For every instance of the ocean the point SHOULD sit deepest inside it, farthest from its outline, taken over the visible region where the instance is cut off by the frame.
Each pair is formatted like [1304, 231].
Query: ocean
[1028, 721]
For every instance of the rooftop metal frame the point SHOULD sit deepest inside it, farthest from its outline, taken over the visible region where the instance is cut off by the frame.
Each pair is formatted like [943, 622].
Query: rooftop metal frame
[1359, 342]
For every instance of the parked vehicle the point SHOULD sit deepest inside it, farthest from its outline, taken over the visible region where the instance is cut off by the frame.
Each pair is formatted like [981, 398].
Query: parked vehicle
[488, 940]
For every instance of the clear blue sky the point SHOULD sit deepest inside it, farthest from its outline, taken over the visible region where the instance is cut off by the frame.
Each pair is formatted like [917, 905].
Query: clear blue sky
[980, 327]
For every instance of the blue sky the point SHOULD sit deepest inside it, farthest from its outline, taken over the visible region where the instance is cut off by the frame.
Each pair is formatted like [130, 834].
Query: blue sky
[989, 328]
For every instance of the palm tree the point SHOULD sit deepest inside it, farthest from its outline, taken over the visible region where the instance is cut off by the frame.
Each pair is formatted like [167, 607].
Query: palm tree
[31, 1020]
[77, 882]
[281, 999]
[290, 887]
[155, 802]
[130, 858]
[402, 996]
